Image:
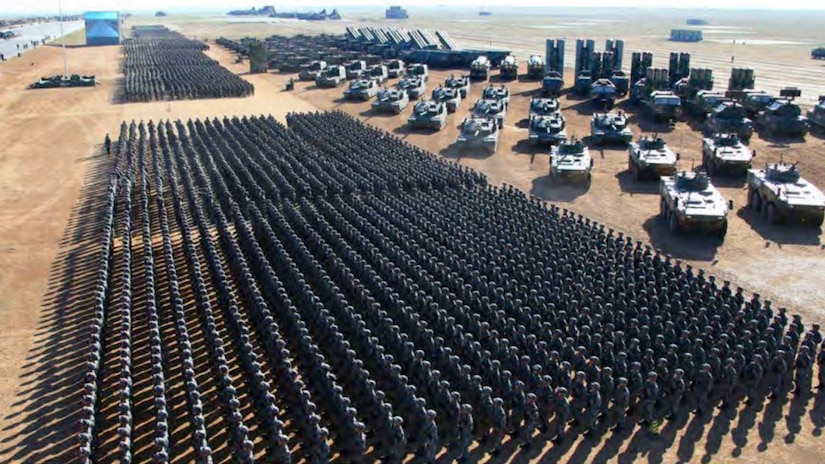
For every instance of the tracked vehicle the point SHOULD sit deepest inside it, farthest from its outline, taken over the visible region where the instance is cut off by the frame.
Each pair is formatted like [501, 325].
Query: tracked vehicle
[392, 100]
[478, 133]
[361, 89]
[449, 96]
[610, 128]
[493, 109]
[311, 71]
[462, 83]
[333, 76]
[415, 86]
[428, 114]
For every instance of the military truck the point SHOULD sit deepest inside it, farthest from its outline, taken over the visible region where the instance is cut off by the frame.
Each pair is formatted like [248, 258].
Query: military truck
[501, 93]
[603, 94]
[361, 89]
[780, 193]
[571, 159]
[689, 202]
[479, 133]
[724, 153]
[543, 106]
[449, 96]
[480, 69]
[610, 128]
[311, 71]
[392, 100]
[415, 86]
[492, 109]
[818, 53]
[729, 116]
[395, 68]
[428, 114]
[508, 69]
[546, 129]
[379, 73]
[816, 117]
[783, 117]
[651, 157]
[701, 105]
[356, 69]
[75, 80]
[419, 70]
[552, 84]
[755, 101]
[535, 67]
[333, 76]
[462, 83]
[663, 105]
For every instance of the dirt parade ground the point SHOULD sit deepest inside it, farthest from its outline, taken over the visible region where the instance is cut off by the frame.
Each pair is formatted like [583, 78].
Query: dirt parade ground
[51, 183]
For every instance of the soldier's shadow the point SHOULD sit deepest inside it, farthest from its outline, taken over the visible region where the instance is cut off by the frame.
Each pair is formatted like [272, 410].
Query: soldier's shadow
[794, 417]
[818, 414]
[718, 430]
[767, 428]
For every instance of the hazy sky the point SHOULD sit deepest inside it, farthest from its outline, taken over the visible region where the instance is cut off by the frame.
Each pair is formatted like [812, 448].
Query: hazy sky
[21, 6]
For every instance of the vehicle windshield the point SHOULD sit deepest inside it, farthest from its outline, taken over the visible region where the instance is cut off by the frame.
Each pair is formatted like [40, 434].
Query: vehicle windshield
[670, 101]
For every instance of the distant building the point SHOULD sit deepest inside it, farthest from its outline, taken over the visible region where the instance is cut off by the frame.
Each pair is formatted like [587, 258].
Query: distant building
[396, 12]
[160, 14]
[485, 13]
[685, 35]
[696, 22]
[102, 27]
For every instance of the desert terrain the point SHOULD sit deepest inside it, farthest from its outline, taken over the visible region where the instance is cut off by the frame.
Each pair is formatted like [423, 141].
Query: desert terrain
[50, 165]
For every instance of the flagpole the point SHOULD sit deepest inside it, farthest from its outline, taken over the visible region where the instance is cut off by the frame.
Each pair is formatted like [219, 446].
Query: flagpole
[63, 38]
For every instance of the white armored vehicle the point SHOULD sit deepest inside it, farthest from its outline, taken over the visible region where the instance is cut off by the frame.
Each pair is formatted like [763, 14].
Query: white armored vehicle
[333, 76]
[650, 156]
[311, 71]
[571, 160]
[462, 83]
[543, 106]
[393, 100]
[449, 96]
[415, 86]
[361, 89]
[479, 133]
[494, 109]
[725, 153]
[428, 114]
[780, 193]
[690, 202]
[501, 93]
[610, 128]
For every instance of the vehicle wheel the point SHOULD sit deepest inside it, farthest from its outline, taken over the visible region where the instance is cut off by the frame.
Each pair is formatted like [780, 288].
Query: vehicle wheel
[673, 224]
[722, 232]
[772, 214]
[753, 200]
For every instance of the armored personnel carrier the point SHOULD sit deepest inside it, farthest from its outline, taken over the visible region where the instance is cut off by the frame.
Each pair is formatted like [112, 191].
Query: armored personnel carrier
[449, 96]
[333, 76]
[690, 202]
[663, 105]
[783, 117]
[552, 84]
[479, 133]
[780, 193]
[395, 68]
[543, 106]
[462, 83]
[610, 128]
[378, 73]
[571, 159]
[508, 69]
[651, 157]
[419, 70]
[603, 93]
[356, 69]
[415, 86]
[535, 67]
[428, 114]
[546, 129]
[311, 71]
[816, 117]
[500, 93]
[755, 101]
[725, 153]
[729, 116]
[361, 89]
[492, 109]
[393, 100]
[480, 68]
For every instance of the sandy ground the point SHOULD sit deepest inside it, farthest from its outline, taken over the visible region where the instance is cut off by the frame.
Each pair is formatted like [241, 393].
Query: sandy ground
[49, 168]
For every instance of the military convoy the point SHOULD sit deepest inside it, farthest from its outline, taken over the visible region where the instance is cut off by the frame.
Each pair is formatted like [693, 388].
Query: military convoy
[491, 109]
[479, 133]
[392, 100]
[610, 128]
[451, 97]
[780, 193]
[535, 67]
[462, 83]
[816, 116]
[508, 69]
[724, 153]
[546, 129]
[663, 105]
[651, 157]
[415, 86]
[729, 116]
[689, 202]
[571, 160]
[395, 68]
[783, 117]
[355, 69]
[333, 76]
[480, 68]
[428, 114]
[361, 89]
[311, 71]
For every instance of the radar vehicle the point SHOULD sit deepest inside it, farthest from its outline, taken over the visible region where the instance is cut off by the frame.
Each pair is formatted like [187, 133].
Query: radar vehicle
[571, 160]
[610, 128]
[361, 89]
[689, 202]
[780, 193]
[415, 86]
[428, 114]
[651, 157]
[448, 96]
[755, 101]
[493, 109]
[392, 100]
[333, 76]
[479, 133]
[311, 71]
[462, 83]
[480, 68]
[783, 117]
[546, 129]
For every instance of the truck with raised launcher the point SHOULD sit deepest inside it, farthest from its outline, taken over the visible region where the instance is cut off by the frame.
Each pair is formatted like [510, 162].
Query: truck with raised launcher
[689, 202]
[610, 128]
[478, 133]
[571, 160]
[333, 76]
[650, 157]
[724, 153]
[392, 100]
[779, 192]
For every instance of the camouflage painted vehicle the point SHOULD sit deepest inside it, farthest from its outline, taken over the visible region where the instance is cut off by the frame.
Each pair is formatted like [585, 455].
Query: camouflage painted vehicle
[361, 89]
[552, 84]
[47, 82]
[428, 114]
[378, 73]
[508, 69]
[663, 105]
[392, 100]
[500, 93]
[333, 76]
[75, 80]
[724, 153]
[395, 68]
[492, 109]
[480, 68]
[603, 93]
[546, 129]
[571, 160]
[783, 117]
[816, 117]
[729, 116]
[356, 69]
[780, 193]
[701, 105]
[651, 157]
[311, 71]
[478, 133]
[449, 96]
[419, 70]
[689, 202]
[462, 83]
[610, 128]
[535, 67]
[755, 101]
[415, 86]
[543, 106]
